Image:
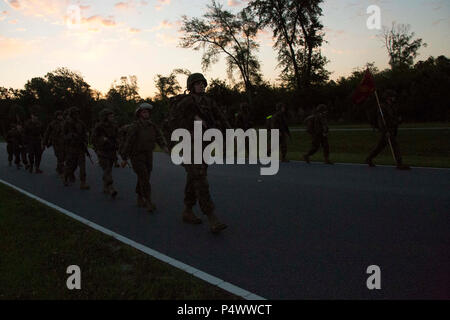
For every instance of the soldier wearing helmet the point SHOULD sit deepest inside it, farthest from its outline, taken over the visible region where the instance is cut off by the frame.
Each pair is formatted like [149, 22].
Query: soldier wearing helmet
[139, 144]
[317, 127]
[388, 122]
[54, 136]
[105, 141]
[34, 132]
[75, 142]
[279, 121]
[196, 106]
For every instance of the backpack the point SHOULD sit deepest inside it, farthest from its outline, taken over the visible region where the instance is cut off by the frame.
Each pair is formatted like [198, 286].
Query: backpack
[309, 121]
[172, 119]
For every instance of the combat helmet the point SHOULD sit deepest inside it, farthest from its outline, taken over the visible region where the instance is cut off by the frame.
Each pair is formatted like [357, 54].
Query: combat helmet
[143, 106]
[105, 113]
[321, 108]
[193, 78]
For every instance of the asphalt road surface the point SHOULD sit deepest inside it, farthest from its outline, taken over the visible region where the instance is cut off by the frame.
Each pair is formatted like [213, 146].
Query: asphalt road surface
[309, 232]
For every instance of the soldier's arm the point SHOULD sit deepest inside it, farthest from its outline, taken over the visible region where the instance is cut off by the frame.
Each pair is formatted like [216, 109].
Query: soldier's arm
[127, 147]
[160, 140]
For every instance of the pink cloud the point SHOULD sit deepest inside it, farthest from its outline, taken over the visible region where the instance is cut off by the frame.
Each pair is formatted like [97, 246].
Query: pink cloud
[162, 3]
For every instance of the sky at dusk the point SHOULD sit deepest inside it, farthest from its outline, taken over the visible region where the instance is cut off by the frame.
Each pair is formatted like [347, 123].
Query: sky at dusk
[117, 38]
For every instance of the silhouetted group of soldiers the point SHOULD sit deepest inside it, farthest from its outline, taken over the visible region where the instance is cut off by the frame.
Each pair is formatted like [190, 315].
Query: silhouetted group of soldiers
[136, 142]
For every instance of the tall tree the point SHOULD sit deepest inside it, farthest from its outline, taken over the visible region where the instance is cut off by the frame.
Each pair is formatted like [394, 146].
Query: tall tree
[222, 32]
[401, 45]
[299, 36]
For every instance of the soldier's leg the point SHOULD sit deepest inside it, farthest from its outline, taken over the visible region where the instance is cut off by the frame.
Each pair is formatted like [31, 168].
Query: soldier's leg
[59, 154]
[30, 153]
[315, 145]
[10, 150]
[23, 156]
[396, 149]
[190, 197]
[140, 168]
[283, 148]
[38, 156]
[82, 166]
[17, 156]
[326, 150]
[201, 186]
[378, 148]
[70, 166]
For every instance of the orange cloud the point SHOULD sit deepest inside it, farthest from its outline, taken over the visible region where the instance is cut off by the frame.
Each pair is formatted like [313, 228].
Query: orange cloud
[162, 3]
[98, 20]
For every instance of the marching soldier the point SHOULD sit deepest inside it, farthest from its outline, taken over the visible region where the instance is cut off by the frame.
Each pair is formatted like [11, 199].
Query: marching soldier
[33, 135]
[196, 106]
[16, 146]
[388, 122]
[54, 136]
[105, 140]
[278, 121]
[317, 127]
[11, 141]
[75, 142]
[138, 147]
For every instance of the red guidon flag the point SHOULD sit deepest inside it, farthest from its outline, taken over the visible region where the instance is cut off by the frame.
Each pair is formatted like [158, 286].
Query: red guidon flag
[365, 88]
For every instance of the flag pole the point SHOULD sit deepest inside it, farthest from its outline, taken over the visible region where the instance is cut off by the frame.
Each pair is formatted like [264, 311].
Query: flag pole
[387, 131]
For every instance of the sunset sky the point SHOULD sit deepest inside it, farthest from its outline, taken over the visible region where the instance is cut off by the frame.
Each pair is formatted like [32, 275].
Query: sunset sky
[140, 37]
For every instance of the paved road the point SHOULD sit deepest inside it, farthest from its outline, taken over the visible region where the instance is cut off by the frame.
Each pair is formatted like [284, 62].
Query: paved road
[309, 232]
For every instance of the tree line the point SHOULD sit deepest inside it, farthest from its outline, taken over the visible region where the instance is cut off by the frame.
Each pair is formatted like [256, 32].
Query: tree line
[303, 79]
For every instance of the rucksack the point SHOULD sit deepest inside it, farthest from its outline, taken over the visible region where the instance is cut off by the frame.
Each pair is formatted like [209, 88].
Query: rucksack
[172, 120]
[309, 121]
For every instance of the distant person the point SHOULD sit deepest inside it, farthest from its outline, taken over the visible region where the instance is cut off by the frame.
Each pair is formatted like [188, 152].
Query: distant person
[16, 148]
[317, 127]
[142, 135]
[105, 140]
[388, 124]
[54, 136]
[34, 132]
[75, 142]
[279, 121]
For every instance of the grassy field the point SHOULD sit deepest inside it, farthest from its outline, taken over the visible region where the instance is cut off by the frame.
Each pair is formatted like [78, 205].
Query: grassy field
[38, 244]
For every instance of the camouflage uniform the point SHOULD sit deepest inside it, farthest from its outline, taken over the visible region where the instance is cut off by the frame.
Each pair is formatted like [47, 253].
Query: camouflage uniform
[33, 135]
[75, 142]
[54, 136]
[105, 140]
[279, 121]
[139, 145]
[194, 106]
[388, 129]
[318, 129]
[16, 146]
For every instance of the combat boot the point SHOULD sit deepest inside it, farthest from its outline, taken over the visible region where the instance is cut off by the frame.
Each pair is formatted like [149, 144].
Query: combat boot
[39, 171]
[403, 167]
[370, 163]
[149, 206]
[306, 158]
[10, 163]
[18, 166]
[214, 224]
[30, 168]
[112, 192]
[84, 186]
[65, 181]
[190, 217]
[328, 161]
